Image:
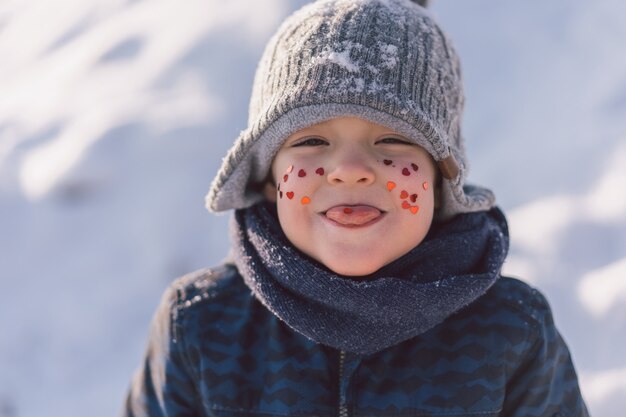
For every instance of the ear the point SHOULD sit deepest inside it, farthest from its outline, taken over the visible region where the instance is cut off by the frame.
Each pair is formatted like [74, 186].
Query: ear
[269, 191]
[437, 193]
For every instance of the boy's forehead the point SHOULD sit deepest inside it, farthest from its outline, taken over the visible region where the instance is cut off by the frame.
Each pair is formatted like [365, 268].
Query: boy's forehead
[347, 123]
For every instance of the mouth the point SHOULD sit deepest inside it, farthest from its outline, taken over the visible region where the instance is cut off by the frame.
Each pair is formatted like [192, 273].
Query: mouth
[353, 216]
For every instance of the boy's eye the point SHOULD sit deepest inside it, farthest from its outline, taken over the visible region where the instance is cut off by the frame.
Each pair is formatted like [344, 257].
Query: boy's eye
[395, 141]
[310, 142]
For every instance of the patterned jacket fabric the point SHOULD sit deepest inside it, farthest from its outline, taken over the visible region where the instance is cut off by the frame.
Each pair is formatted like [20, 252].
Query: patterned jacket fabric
[215, 350]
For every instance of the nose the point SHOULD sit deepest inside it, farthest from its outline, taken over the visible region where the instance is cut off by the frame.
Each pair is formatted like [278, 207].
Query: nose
[351, 167]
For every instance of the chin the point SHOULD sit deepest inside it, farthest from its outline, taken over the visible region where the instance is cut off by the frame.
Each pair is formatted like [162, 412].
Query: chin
[352, 268]
[353, 262]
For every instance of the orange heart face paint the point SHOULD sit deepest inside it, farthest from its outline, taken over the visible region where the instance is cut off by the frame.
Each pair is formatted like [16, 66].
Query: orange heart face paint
[391, 185]
[425, 186]
[305, 200]
[403, 194]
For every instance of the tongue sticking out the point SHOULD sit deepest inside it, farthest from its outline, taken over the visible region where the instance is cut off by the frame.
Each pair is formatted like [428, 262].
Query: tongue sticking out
[353, 215]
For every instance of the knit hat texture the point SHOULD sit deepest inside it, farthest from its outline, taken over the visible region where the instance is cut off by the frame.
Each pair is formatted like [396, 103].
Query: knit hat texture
[385, 61]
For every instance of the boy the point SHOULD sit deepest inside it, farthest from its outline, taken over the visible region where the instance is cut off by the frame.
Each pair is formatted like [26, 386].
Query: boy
[365, 275]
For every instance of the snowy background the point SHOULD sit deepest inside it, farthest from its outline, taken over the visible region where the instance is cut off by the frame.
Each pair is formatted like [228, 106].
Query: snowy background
[115, 114]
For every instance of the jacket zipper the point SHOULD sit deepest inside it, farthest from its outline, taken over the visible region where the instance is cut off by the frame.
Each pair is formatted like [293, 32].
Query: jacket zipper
[343, 408]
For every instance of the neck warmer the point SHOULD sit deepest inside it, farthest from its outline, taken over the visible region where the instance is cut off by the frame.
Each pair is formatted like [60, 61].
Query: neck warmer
[456, 263]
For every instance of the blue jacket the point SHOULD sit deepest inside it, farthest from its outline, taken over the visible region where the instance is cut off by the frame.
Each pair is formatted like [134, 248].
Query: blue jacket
[214, 350]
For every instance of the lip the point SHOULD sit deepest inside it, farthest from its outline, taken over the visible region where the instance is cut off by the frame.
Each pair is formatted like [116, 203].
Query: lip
[322, 214]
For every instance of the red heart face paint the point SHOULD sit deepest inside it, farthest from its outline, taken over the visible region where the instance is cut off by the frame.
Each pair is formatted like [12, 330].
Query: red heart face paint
[301, 174]
[391, 185]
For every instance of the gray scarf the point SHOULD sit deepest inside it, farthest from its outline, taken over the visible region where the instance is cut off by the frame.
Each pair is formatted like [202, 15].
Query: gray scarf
[456, 263]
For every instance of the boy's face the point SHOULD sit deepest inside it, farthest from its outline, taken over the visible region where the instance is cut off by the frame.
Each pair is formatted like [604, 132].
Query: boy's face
[352, 194]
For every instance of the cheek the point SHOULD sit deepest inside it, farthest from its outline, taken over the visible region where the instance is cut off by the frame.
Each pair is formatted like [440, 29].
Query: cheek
[409, 185]
[297, 183]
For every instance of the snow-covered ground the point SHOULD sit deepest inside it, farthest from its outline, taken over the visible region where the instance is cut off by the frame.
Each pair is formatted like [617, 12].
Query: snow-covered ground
[114, 116]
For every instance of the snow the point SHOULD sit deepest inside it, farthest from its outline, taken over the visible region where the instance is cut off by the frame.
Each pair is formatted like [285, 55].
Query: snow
[602, 289]
[114, 117]
[389, 55]
[603, 385]
[343, 60]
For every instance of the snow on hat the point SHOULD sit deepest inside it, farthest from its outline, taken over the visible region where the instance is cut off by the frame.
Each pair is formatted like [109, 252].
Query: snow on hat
[385, 61]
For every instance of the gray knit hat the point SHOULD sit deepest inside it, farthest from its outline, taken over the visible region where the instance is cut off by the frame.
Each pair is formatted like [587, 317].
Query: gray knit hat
[385, 61]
